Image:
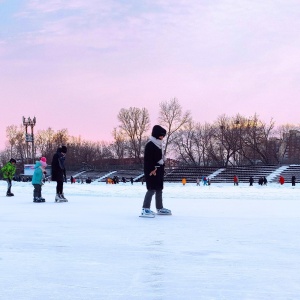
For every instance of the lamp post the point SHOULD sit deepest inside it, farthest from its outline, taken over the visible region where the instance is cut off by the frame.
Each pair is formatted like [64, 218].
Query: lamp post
[238, 141]
[222, 127]
[29, 137]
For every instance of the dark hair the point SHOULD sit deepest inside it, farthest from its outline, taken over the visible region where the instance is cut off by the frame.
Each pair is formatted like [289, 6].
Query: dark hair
[12, 160]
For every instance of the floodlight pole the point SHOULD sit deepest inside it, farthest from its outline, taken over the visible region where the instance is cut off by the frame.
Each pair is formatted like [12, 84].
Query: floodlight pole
[29, 138]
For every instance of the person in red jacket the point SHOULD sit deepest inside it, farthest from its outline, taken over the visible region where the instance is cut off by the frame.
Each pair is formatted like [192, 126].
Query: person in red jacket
[235, 180]
[281, 180]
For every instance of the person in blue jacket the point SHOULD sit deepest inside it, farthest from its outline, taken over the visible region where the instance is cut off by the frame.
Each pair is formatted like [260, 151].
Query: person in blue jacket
[37, 179]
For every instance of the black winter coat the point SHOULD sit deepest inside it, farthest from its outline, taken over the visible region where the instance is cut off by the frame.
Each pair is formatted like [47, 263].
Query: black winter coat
[151, 157]
[58, 167]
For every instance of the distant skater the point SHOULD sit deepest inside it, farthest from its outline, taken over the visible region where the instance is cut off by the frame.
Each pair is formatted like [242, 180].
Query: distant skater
[281, 180]
[265, 180]
[251, 180]
[59, 173]
[235, 180]
[293, 180]
[8, 172]
[154, 173]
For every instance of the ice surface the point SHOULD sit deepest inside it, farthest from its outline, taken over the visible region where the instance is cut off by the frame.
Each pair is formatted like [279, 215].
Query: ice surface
[222, 242]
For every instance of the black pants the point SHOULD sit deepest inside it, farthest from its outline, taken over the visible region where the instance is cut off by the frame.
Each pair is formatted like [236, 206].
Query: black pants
[8, 185]
[158, 199]
[37, 192]
[59, 187]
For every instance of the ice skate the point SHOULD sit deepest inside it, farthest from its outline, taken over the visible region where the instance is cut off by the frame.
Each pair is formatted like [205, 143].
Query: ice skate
[164, 211]
[9, 194]
[58, 198]
[147, 213]
[63, 198]
[37, 199]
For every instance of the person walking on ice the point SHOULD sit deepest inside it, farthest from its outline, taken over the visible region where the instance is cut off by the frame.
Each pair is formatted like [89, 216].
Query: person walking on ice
[154, 173]
[8, 172]
[37, 179]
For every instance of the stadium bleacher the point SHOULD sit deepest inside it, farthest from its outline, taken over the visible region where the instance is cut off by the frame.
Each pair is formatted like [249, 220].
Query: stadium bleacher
[216, 175]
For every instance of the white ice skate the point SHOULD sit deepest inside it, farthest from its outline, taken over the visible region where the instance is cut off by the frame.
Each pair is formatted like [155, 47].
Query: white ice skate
[63, 198]
[147, 213]
[164, 211]
[58, 198]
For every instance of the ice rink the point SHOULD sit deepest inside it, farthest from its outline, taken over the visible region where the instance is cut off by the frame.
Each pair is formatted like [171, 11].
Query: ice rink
[222, 242]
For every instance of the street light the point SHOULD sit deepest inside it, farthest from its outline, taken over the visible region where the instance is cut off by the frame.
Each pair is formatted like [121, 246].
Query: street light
[29, 137]
[222, 127]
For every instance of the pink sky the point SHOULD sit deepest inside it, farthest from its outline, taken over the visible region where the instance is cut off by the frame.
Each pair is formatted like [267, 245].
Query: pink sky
[76, 65]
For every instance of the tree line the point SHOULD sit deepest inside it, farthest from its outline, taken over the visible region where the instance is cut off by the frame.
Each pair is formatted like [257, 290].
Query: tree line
[230, 140]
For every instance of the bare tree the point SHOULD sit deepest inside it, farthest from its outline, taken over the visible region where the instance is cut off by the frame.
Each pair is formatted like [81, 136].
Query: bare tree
[135, 122]
[259, 140]
[119, 145]
[172, 118]
[228, 135]
[183, 145]
[61, 137]
[12, 136]
[193, 144]
[44, 142]
[16, 142]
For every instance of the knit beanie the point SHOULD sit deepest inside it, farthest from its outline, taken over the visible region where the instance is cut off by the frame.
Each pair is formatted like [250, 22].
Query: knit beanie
[64, 149]
[158, 131]
[43, 161]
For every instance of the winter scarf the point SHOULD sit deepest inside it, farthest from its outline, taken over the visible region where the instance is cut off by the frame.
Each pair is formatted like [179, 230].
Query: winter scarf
[159, 144]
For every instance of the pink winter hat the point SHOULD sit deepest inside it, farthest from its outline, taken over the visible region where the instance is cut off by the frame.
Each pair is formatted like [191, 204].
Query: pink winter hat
[43, 161]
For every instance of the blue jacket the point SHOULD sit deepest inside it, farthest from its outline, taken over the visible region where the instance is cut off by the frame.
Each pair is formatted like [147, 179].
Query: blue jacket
[37, 177]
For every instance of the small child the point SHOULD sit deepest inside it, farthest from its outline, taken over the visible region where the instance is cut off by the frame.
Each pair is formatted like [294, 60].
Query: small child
[37, 179]
[8, 172]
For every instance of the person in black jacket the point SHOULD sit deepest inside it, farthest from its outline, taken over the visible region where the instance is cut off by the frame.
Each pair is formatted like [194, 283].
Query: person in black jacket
[154, 173]
[293, 180]
[251, 180]
[59, 172]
